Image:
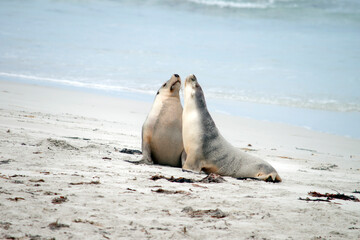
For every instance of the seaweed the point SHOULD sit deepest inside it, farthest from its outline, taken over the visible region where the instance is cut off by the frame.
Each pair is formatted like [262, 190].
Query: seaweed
[329, 197]
[56, 225]
[160, 190]
[172, 179]
[211, 178]
[82, 183]
[59, 200]
[215, 213]
[130, 151]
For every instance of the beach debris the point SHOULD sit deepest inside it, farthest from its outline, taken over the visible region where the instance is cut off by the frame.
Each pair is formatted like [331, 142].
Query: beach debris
[197, 185]
[36, 180]
[5, 225]
[329, 197]
[34, 237]
[45, 173]
[18, 182]
[284, 157]
[160, 190]
[16, 199]
[217, 213]
[172, 179]
[130, 151]
[356, 191]
[17, 175]
[8, 131]
[82, 183]
[56, 225]
[50, 193]
[78, 138]
[130, 189]
[6, 161]
[59, 200]
[269, 179]
[106, 158]
[314, 200]
[325, 167]
[79, 220]
[213, 178]
[4, 177]
[305, 149]
[37, 152]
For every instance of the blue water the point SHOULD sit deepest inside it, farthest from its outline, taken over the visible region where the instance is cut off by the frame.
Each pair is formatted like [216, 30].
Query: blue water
[292, 61]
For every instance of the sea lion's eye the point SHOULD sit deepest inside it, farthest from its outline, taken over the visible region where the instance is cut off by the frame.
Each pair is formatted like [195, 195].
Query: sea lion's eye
[164, 85]
[193, 79]
[158, 93]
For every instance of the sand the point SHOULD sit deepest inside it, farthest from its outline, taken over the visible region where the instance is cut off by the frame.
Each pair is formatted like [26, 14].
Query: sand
[62, 176]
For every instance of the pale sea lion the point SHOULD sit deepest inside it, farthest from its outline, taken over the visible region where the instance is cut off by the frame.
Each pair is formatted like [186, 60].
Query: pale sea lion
[162, 130]
[208, 150]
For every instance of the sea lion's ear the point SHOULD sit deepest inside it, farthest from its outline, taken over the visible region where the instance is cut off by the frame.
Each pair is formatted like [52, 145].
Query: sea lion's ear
[158, 92]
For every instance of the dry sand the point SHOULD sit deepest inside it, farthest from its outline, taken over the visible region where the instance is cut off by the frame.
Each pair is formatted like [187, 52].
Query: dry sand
[62, 176]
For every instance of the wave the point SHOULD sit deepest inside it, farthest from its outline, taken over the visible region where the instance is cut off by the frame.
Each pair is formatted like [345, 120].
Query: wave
[76, 83]
[234, 4]
[326, 104]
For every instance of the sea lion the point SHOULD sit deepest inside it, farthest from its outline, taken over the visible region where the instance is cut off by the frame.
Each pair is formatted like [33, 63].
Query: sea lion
[162, 130]
[208, 150]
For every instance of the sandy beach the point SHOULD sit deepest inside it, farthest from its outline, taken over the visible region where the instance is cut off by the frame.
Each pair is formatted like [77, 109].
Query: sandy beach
[62, 176]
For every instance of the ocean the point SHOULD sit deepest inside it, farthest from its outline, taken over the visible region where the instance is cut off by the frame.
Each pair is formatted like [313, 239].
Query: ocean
[290, 61]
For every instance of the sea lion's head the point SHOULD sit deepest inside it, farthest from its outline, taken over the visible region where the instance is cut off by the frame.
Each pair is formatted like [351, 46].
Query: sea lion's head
[171, 87]
[191, 85]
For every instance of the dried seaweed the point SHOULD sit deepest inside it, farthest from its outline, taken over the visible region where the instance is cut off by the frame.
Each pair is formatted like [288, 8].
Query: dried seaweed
[56, 225]
[36, 180]
[6, 161]
[130, 151]
[215, 213]
[59, 200]
[5, 225]
[331, 196]
[160, 190]
[79, 220]
[314, 200]
[16, 199]
[211, 178]
[82, 183]
[79, 138]
[172, 179]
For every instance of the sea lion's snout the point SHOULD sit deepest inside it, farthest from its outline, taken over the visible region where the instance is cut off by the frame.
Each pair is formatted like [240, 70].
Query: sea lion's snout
[175, 82]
